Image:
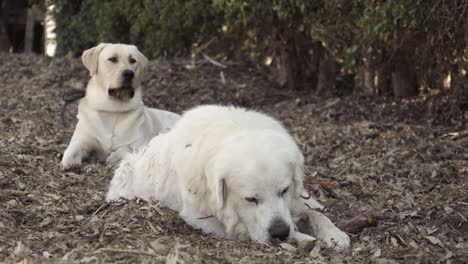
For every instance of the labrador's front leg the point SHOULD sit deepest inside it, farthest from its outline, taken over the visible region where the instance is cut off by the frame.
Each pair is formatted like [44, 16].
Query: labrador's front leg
[116, 156]
[80, 146]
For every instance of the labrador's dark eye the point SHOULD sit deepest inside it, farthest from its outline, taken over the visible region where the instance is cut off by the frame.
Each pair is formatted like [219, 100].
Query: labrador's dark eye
[113, 59]
[284, 191]
[252, 200]
[131, 60]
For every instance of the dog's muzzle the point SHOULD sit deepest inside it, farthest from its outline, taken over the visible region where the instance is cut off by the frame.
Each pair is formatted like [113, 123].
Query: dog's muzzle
[278, 229]
[123, 93]
[126, 91]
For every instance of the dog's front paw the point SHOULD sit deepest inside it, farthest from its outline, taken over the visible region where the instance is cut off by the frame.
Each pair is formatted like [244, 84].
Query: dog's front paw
[69, 165]
[337, 240]
[69, 162]
[114, 158]
[301, 237]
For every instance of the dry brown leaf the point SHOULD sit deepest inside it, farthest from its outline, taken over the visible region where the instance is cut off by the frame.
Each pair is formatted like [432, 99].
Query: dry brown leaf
[23, 261]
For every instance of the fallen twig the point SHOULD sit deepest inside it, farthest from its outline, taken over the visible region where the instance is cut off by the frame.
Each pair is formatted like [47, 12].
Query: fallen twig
[326, 184]
[14, 193]
[203, 46]
[359, 222]
[223, 80]
[99, 209]
[129, 251]
[212, 61]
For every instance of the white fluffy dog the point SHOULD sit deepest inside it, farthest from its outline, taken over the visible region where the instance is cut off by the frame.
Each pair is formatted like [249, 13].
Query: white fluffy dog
[112, 119]
[231, 172]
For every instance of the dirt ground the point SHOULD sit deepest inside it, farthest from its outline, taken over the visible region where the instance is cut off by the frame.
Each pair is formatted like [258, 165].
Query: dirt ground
[407, 159]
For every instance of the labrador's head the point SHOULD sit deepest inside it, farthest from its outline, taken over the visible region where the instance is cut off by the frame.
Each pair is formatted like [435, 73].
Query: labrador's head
[117, 68]
[253, 178]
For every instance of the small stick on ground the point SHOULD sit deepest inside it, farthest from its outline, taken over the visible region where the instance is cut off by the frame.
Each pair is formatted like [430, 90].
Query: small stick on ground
[204, 46]
[326, 184]
[99, 209]
[212, 61]
[359, 222]
[129, 251]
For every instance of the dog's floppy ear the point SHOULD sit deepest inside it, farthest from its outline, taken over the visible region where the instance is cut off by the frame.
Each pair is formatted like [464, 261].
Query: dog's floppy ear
[142, 61]
[90, 58]
[220, 193]
[298, 175]
[216, 185]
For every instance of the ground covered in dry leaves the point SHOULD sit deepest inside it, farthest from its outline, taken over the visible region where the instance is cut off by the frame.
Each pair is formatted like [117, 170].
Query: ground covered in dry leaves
[406, 159]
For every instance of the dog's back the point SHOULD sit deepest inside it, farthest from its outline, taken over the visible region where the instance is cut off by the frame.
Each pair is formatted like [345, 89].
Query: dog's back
[166, 119]
[215, 123]
[236, 117]
[145, 173]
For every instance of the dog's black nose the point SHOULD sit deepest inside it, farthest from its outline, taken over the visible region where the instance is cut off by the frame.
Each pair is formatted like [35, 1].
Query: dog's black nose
[278, 229]
[128, 75]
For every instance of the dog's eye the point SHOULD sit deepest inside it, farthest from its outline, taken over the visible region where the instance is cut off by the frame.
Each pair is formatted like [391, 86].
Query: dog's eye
[284, 191]
[113, 59]
[131, 60]
[252, 200]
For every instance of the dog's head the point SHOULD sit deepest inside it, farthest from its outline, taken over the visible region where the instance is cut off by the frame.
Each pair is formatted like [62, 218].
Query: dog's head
[253, 179]
[117, 68]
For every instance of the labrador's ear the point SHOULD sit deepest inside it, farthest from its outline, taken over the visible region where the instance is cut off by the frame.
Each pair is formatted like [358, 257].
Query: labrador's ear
[298, 175]
[142, 61]
[90, 58]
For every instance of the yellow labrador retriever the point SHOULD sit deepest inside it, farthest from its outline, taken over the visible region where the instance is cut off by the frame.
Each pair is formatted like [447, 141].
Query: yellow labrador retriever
[112, 119]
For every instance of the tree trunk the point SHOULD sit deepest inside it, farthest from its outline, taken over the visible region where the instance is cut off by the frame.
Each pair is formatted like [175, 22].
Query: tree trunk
[466, 35]
[5, 43]
[285, 71]
[384, 81]
[326, 83]
[404, 81]
[29, 32]
[369, 76]
[313, 67]
[383, 73]
[466, 42]
[288, 67]
[4, 39]
[364, 80]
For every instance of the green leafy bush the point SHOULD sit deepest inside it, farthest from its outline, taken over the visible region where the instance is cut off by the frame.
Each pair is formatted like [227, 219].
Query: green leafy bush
[159, 28]
[297, 35]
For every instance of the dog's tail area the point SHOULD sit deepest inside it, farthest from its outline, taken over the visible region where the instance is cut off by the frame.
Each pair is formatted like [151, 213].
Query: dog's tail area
[121, 185]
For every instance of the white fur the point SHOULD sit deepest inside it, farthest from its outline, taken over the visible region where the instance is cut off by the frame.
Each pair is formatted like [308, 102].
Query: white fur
[212, 160]
[108, 126]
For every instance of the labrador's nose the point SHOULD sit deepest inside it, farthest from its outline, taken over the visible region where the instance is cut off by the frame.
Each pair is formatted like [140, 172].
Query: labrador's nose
[128, 75]
[278, 229]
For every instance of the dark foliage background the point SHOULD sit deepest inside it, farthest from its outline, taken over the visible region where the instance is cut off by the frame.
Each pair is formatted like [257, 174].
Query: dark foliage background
[369, 47]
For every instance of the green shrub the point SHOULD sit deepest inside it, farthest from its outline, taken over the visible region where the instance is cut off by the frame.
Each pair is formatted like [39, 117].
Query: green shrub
[159, 28]
[295, 33]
